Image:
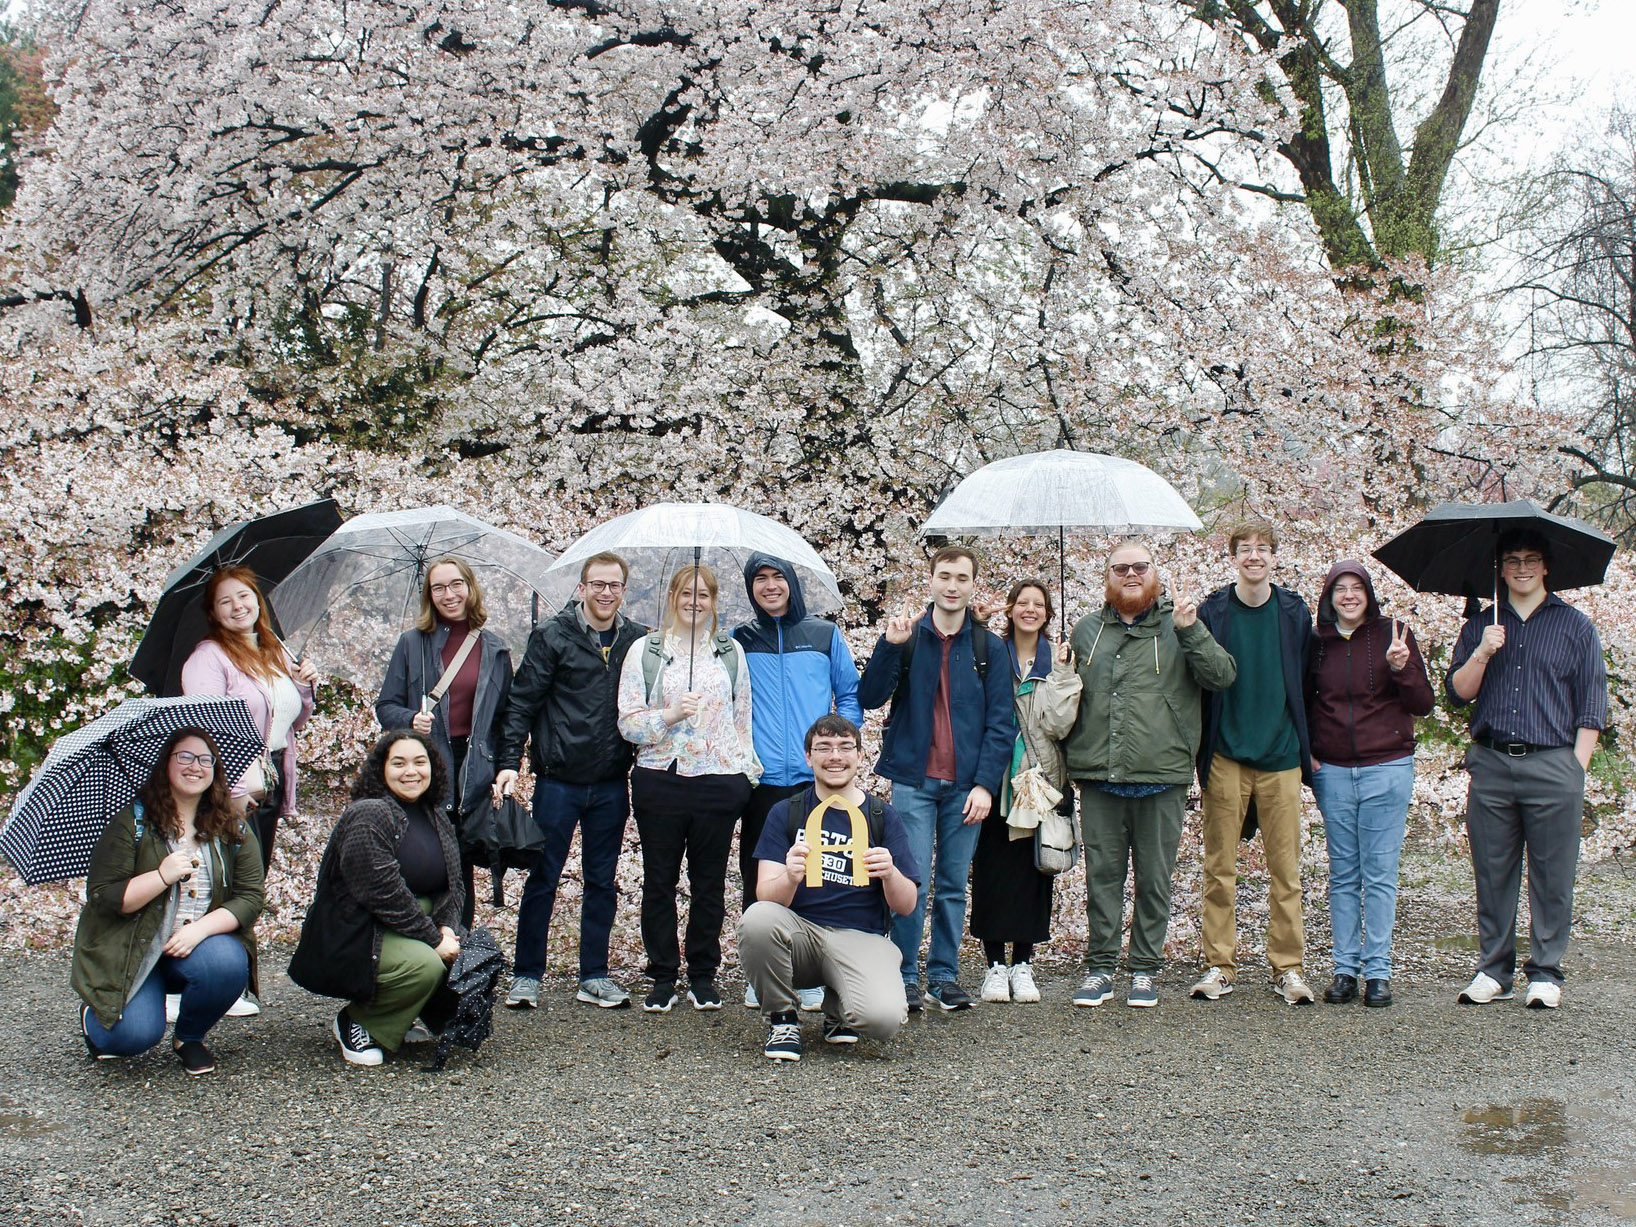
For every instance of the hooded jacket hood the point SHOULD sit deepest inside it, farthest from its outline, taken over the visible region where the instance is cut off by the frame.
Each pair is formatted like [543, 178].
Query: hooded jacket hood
[1327, 618]
[798, 601]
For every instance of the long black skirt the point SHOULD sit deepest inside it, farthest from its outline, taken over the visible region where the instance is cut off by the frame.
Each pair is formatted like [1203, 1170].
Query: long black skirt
[1010, 899]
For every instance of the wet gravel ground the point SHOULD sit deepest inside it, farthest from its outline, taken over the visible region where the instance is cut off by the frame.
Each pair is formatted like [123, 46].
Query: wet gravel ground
[1243, 1110]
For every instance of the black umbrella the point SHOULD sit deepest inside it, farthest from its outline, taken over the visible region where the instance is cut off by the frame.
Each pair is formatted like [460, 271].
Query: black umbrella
[1453, 550]
[473, 978]
[271, 546]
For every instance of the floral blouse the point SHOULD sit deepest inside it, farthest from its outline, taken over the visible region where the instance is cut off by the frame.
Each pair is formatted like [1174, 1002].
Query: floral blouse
[714, 742]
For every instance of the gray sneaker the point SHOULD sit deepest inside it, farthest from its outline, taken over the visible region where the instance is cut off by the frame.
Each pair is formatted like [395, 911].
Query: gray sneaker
[1144, 990]
[1096, 989]
[812, 999]
[603, 992]
[525, 993]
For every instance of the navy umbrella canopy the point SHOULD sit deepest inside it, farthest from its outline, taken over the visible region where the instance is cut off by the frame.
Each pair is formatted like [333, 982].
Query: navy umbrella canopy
[1454, 549]
[271, 546]
[95, 771]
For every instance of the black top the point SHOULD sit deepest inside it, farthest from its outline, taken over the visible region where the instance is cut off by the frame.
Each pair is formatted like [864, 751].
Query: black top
[420, 855]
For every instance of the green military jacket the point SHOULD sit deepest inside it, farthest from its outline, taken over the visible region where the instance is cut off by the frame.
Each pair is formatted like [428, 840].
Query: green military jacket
[109, 945]
[1139, 713]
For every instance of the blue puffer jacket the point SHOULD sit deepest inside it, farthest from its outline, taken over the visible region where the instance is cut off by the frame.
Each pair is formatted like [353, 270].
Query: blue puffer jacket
[981, 712]
[800, 669]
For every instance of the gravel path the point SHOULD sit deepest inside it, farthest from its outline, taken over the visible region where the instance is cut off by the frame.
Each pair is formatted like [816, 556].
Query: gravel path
[1243, 1110]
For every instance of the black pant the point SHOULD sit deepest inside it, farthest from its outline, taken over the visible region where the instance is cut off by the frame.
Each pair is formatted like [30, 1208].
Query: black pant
[762, 798]
[679, 815]
[458, 747]
[263, 819]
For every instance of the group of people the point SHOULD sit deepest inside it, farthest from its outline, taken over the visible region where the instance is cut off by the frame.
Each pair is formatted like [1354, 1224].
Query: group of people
[702, 734]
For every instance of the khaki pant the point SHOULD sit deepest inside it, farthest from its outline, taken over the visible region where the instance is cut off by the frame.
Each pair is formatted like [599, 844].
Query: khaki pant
[1277, 797]
[780, 950]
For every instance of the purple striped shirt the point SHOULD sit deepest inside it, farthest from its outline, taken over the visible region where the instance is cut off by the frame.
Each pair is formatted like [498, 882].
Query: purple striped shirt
[1545, 684]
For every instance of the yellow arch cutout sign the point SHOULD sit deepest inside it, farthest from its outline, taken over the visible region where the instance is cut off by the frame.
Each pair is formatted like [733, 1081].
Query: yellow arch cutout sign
[856, 847]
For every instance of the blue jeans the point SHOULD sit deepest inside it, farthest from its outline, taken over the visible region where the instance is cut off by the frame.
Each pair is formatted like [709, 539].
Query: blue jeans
[1364, 811]
[210, 979]
[932, 814]
[600, 811]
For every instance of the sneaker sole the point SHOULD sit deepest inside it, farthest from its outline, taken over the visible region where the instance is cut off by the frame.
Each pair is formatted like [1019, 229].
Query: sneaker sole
[782, 1056]
[840, 1039]
[522, 1003]
[196, 1073]
[1540, 1004]
[649, 1008]
[248, 1011]
[702, 1005]
[996, 999]
[1199, 994]
[1141, 1005]
[953, 1009]
[1088, 1001]
[1468, 999]
[593, 999]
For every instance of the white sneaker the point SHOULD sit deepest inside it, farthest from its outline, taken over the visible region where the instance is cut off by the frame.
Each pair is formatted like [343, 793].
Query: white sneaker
[1483, 989]
[751, 1001]
[245, 1007]
[1023, 988]
[1543, 995]
[1293, 988]
[996, 983]
[1212, 984]
[173, 1006]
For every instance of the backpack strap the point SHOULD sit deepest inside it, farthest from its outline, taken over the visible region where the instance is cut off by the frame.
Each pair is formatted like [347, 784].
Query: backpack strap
[722, 646]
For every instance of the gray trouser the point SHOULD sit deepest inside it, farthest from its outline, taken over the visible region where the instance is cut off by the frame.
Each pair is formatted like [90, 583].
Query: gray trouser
[780, 950]
[1535, 801]
[1120, 832]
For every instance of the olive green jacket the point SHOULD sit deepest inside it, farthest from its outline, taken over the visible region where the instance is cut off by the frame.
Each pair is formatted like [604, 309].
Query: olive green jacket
[109, 945]
[1139, 713]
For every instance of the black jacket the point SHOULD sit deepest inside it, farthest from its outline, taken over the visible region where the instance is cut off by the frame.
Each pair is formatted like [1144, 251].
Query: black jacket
[567, 697]
[1295, 639]
[360, 895]
[416, 665]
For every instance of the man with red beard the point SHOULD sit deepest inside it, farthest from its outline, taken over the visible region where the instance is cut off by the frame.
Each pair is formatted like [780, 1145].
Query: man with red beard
[1145, 663]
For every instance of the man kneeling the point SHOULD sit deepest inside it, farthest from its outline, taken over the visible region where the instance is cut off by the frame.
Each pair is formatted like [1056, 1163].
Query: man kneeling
[822, 917]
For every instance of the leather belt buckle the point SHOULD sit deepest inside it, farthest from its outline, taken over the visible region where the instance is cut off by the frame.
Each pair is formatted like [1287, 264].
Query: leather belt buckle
[1516, 749]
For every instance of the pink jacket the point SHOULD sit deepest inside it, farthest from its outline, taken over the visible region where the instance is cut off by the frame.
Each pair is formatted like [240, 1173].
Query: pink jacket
[209, 671]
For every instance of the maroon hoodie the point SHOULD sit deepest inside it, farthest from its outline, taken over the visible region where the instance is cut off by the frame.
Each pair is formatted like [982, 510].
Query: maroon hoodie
[1358, 711]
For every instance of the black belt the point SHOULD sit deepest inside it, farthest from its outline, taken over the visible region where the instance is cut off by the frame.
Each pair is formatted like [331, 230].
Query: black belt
[1515, 749]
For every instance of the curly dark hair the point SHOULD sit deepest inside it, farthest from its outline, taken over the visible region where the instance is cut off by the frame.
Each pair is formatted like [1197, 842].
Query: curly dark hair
[371, 781]
[217, 817]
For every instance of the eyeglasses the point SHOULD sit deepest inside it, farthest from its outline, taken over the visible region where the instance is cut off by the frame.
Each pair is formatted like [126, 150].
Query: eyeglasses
[1123, 569]
[188, 758]
[1528, 561]
[1245, 549]
[834, 747]
[604, 585]
[454, 585]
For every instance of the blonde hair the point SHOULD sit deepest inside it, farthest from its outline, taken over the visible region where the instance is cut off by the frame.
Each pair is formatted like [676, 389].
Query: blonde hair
[680, 580]
[476, 612]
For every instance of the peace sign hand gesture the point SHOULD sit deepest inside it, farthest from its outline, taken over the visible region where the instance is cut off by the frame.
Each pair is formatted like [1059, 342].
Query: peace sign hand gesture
[1185, 610]
[899, 629]
[1397, 655]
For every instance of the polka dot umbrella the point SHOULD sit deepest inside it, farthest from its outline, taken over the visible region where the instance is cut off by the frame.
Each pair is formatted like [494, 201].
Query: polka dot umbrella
[94, 772]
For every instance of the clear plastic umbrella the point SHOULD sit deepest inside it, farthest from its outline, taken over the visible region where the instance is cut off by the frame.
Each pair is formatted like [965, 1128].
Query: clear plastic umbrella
[345, 606]
[1048, 493]
[660, 540]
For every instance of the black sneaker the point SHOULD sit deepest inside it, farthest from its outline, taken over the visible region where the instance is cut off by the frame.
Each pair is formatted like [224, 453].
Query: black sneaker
[912, 997]
[357, 1045]
[85, 1034]
[702, 995]
[660, 997]
[837, 1032]
[195, 1057]
[783, 1037]
[949, 995]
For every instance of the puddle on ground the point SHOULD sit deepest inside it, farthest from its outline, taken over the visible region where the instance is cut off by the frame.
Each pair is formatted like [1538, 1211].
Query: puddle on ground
[18, 1123]
[1554, 1131]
